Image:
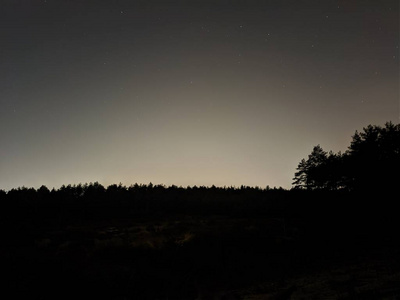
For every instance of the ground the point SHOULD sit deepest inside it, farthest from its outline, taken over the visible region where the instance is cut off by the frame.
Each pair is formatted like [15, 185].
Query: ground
[198, 257]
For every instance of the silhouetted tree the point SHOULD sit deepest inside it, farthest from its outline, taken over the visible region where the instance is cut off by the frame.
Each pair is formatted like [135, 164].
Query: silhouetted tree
[374, 157]
[310, 172]
[333, 170]
[370, 163]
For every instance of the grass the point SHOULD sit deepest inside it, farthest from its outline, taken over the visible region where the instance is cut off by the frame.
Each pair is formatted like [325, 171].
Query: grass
[183, 256]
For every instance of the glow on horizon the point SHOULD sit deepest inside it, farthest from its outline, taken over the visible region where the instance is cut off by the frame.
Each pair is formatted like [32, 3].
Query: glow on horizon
[188, 93]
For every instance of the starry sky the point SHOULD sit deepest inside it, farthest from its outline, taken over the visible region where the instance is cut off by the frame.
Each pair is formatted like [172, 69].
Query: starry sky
[188, 92]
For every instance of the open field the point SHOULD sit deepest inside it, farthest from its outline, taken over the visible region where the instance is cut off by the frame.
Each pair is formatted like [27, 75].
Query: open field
[198, 257]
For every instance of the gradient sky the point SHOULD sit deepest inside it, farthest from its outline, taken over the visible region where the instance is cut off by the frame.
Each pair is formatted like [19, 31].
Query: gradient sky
[188, 92]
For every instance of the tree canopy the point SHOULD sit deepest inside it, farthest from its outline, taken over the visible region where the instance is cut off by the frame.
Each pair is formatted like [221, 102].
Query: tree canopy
[371, 162]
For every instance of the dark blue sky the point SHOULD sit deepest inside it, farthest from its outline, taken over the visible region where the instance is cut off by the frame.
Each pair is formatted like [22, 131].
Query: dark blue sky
[188, 92]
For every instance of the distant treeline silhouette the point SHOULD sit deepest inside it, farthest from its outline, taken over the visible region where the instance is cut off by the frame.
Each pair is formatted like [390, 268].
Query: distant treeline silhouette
[94, 201]
[369, 168]
[371, 163]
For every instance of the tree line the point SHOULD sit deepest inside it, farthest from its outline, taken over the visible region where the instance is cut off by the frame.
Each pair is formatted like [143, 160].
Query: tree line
[371, 163]
[94, 201]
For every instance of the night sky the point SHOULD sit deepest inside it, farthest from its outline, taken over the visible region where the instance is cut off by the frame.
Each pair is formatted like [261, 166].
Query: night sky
[188, 92]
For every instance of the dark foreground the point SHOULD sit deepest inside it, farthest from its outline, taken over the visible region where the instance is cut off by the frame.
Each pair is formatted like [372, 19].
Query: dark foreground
[313, 250]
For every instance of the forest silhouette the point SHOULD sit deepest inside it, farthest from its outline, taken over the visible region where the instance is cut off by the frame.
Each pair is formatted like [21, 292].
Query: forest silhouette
[371, 162]
[150, 241]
